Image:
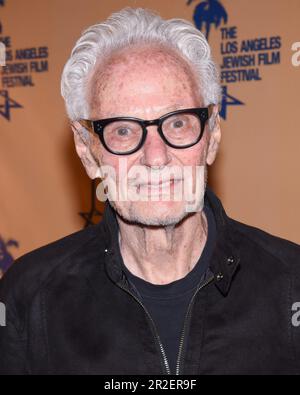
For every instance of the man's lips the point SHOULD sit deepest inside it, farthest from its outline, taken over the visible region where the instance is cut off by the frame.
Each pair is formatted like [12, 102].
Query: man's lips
[160, 184]
[158, 189]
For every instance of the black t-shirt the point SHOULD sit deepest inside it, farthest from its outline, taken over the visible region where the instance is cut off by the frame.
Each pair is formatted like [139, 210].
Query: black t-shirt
[167, 304]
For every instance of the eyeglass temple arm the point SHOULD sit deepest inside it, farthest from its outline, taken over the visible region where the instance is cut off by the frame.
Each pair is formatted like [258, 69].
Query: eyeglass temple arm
[87, 124]
[211, 109]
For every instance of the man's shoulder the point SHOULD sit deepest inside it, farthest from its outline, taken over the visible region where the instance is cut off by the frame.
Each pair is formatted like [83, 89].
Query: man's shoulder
[288, 252]
[30, 271]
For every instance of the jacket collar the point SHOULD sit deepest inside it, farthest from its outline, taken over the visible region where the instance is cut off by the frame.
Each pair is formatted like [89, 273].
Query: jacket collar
[225, 259]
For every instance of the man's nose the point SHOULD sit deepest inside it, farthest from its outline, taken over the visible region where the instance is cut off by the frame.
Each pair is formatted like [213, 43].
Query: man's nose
[155, 150]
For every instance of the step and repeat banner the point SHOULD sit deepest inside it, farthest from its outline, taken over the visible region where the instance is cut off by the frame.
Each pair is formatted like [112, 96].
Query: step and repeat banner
[45, 193]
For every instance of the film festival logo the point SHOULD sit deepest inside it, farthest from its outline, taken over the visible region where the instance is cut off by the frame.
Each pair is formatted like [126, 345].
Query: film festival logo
[242, 59]
[6, 103]
[18, 68]
[207, 14]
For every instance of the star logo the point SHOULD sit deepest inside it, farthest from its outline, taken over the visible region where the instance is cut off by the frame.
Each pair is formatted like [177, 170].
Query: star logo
[92, 216]
[6, 259]
[228, 100]
[6, 103]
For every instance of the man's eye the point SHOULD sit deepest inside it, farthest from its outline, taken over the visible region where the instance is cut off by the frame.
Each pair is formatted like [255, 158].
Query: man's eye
[178, 124]
[123, 132]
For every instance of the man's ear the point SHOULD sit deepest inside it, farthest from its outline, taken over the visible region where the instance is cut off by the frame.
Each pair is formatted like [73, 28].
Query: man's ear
[214, 136]
[82, 139]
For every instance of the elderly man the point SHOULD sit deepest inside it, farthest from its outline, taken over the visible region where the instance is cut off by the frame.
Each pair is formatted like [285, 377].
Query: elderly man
[166, 283]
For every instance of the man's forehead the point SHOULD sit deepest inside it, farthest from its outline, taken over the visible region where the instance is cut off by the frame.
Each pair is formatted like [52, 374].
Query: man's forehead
[147, 92]
[131, 63]
[144, 54]
[160, 110]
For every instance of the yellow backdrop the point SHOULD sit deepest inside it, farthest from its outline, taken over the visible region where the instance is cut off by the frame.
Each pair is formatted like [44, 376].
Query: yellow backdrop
[43, 186]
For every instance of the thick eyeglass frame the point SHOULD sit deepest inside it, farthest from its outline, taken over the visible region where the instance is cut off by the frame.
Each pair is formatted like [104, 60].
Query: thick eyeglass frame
[203, 113]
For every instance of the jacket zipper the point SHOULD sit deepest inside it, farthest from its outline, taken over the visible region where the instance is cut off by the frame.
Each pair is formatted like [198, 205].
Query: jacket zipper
[161, 347]
[187, 317]
[187, 320]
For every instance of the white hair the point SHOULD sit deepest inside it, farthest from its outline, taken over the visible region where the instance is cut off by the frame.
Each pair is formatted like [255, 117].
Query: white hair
[136, 26]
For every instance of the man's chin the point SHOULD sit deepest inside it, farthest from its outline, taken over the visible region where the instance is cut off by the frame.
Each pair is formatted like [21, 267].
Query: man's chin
[159, 213]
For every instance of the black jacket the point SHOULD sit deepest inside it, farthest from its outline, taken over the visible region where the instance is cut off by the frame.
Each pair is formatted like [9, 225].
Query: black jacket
[70, 309]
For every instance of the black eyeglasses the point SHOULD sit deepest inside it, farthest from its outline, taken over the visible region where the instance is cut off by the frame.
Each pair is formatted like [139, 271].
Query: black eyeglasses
[126, 135]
